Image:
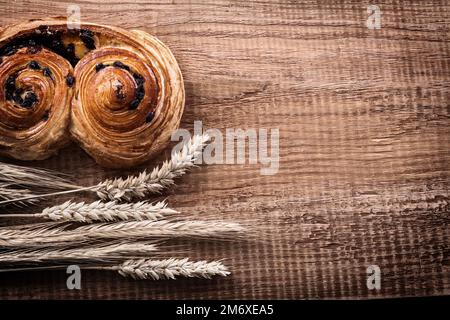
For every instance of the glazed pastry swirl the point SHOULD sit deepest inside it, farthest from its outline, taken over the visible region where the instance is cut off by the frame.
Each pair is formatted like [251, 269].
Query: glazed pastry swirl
[35, 103]
[125, 99]
[118, 93]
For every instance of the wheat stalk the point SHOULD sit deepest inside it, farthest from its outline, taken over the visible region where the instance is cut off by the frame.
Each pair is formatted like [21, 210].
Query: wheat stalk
[168, 269]
[28, 177]
[152, 269]
[102, 211]
[160, 178]
[139, 186]
[7, 193]
[164, 228]
[105, 252]
[10, 237]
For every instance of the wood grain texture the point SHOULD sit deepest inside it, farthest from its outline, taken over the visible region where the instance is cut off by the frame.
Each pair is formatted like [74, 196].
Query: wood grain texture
[364, 120]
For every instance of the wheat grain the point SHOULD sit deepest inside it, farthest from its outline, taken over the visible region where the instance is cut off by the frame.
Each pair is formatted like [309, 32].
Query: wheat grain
[160, 178]
[102, 211]
[54, 235]
[105, 252]
[169, 269]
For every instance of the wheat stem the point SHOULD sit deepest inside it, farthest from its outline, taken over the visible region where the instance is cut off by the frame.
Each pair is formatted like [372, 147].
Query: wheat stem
[113, 251]
[129, 229]
[41, 268]
[151, 269]
[45, 195]
[13, 195]
[34, 178]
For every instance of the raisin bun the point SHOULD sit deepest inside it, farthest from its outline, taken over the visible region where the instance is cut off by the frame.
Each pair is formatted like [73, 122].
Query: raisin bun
[119, 94]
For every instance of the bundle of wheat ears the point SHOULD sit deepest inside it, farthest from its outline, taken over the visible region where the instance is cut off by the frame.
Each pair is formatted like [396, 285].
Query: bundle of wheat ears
[134, 231]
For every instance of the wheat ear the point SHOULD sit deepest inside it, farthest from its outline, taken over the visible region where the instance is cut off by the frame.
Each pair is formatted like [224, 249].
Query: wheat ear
[139, 186]
[102, 211]
[168, 269]
[10, 194]
[105, 252]
[136, 187]
[151, 269]
[34, 178]
[54, 235]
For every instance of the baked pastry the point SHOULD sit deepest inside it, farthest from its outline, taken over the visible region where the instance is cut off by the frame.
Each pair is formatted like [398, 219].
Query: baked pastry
[126, 91]
[35, 100]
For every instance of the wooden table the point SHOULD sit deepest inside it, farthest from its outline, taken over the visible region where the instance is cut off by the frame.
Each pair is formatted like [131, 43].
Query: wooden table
[364, 122]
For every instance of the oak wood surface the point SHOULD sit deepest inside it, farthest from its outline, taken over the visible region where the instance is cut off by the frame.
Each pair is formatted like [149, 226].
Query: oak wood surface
[364, 122]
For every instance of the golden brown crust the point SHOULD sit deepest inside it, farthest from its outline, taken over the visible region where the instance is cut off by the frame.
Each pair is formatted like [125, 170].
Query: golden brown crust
[128, 93]
[34, 107]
